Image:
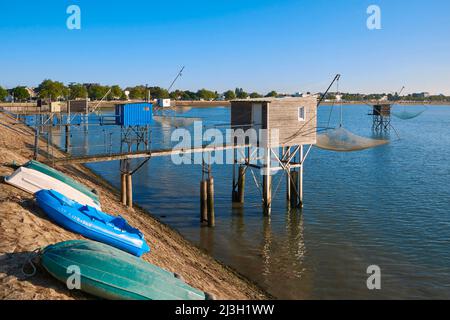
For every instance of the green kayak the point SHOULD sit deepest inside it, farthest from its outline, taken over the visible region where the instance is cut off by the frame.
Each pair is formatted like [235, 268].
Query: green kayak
[109, 273]
[36, 165]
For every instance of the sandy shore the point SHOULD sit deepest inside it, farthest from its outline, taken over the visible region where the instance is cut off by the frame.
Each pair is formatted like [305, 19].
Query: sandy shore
[24, 227]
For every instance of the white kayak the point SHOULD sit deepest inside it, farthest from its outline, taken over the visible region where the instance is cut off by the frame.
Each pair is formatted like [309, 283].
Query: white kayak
[33, 181]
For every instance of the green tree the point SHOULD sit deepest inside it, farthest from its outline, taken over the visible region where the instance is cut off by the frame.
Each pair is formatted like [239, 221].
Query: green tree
[254, 95]
[159, 93]
[189, 95]
[272, 93]
[229, 95]
[54, 90]
[240, 93]
[177, 95]
[3, 93]
[206, 94]
[116, 93]
[77, 90]
[137, 92]
[97, 92]
[21, 94]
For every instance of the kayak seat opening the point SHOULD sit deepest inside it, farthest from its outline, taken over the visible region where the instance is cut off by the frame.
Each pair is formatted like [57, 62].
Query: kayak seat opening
[122, 224]
[92, 213]
[61, 199]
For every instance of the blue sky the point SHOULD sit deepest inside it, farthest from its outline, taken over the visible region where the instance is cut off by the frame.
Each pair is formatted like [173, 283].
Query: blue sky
[259, 45]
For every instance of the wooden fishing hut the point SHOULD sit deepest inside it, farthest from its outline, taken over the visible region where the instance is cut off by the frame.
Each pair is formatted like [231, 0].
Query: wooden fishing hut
[381, 116]
[284, 126]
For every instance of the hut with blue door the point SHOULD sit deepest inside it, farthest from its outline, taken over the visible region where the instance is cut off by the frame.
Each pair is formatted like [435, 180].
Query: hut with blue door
[134, 114]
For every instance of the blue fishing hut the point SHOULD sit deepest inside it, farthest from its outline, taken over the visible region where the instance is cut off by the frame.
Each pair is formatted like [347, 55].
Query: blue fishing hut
[134, 114]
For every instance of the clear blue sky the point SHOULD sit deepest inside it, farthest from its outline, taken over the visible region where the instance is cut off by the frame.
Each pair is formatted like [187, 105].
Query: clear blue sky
[255, 44]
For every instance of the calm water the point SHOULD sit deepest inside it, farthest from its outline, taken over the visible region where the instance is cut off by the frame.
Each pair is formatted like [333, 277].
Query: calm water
[388, 206]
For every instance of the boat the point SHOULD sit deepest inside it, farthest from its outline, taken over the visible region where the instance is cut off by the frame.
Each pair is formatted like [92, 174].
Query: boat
[92, 223]
[109, 273]
[38, 166]
[32, 181]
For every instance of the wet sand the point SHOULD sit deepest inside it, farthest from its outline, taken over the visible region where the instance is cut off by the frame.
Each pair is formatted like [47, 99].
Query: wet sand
[24, 228]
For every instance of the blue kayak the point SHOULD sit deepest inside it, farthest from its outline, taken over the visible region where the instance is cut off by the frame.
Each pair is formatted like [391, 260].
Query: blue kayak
[92, 223]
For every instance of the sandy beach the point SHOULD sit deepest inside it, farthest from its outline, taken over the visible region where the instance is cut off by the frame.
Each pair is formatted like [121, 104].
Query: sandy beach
[24, 228]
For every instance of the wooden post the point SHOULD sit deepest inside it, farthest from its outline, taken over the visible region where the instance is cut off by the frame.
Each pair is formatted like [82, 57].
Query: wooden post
[211, 218]
[300, 179]
[203, 201]
[294, 189]
[123, 188]
[129, 191]
[36, 142]
[288, 179]
[67, 140]
[267, 185]
[241, 185]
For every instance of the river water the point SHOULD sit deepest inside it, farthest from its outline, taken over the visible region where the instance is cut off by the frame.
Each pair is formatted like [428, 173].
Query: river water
[388, 206]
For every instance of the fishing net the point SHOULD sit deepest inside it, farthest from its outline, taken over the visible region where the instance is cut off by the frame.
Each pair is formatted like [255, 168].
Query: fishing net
[342, 140]
[177, 122]
[407, 115]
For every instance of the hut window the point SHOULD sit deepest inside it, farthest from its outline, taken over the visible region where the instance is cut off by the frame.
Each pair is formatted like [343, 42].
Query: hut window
[301, 113]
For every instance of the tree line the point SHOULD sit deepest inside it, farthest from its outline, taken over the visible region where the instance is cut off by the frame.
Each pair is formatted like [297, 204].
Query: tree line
[56, 90]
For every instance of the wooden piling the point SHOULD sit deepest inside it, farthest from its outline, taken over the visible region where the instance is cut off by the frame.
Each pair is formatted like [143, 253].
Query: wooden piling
[241, 185]
[129, 191]
[294, 189]
[267, 181]
[67, 137]
[123, 188]
[300, 180]
[203, 201]
[36, 143]
[267, 191]
[211, 217]
[288, 177]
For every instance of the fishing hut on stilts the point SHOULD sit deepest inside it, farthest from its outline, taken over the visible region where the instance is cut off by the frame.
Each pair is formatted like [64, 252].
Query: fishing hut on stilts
[284, 130]
[269, 135]
[381, 116]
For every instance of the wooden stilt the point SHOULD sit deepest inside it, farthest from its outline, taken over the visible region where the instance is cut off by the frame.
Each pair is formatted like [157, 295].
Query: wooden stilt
[267, 182]
[36, 142]
[123, 188]
[233, 191]
[241, 185]
[211, 217]
[129, 191]
[203, 201]
[300, 180]
[288, 178]
[67, 137]
[294, 189]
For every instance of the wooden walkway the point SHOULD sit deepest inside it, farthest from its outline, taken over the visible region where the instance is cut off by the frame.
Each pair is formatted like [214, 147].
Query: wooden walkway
[140, 154]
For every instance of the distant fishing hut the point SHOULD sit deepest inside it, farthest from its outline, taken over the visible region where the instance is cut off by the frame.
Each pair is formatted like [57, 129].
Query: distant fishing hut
[381, 116]
[286, 124]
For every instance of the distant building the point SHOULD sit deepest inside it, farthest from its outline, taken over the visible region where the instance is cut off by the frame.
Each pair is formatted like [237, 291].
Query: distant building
[164, 103]
[9, 98]
[421, 95]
